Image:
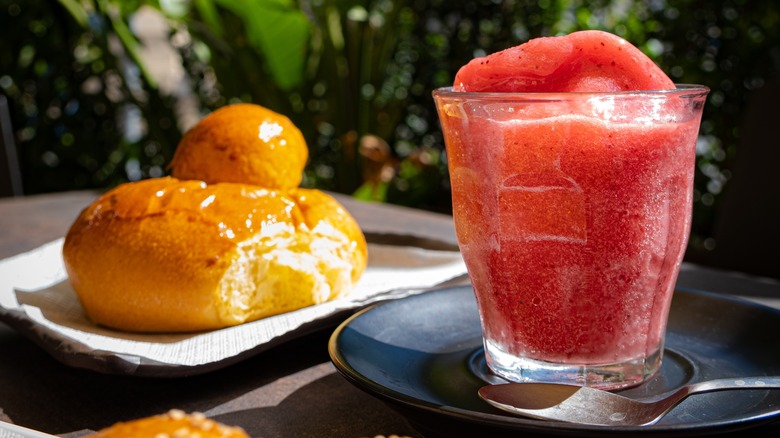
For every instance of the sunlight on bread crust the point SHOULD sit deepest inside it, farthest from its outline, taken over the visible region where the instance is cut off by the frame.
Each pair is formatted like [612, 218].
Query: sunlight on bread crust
[243, 143]
[169, 255]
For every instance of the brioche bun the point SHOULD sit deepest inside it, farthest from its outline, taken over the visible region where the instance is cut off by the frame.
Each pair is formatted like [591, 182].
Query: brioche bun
[165, 255]
[242, 143]
[173, 424]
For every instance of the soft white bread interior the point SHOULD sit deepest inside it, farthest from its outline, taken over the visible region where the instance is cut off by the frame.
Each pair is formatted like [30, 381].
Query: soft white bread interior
[169, 255]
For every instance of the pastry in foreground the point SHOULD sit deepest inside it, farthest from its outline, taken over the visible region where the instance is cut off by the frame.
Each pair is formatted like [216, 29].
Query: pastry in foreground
[173, 424]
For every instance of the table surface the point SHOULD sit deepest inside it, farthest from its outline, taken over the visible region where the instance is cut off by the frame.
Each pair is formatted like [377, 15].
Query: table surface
[289, 391]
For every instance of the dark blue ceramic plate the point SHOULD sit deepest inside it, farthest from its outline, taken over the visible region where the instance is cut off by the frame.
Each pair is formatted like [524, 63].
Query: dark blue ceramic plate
[423, 356]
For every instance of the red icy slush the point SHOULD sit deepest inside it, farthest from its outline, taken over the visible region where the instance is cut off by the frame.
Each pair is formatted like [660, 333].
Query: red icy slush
[572, 202]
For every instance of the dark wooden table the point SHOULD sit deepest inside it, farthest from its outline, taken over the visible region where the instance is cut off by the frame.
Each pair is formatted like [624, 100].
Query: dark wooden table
[290, 391]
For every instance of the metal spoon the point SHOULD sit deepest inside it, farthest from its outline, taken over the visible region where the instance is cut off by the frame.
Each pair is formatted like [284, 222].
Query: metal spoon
[583, 405]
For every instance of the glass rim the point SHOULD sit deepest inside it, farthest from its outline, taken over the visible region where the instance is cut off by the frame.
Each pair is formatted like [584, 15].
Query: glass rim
[687, 90]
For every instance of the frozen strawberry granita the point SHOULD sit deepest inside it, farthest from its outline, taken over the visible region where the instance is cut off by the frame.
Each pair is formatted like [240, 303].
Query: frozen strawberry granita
[571, 162]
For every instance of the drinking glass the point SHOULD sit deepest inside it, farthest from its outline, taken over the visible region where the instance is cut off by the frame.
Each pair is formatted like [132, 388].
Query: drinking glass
[572, 212]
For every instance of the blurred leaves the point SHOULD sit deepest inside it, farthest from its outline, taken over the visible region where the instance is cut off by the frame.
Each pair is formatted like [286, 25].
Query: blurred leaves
[72, 97]
[100, 98]
[266, 23]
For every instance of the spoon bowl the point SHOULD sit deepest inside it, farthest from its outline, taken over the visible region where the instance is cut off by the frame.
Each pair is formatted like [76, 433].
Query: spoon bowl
[584, 405]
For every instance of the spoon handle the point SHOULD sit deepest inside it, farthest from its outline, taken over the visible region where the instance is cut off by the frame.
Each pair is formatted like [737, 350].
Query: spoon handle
[664, 405]
[753, 382]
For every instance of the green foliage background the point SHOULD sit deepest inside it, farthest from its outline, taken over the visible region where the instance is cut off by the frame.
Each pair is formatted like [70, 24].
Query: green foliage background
[355, 76]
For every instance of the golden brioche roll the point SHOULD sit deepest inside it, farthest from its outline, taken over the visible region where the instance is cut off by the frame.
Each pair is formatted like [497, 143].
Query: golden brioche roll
[165, 255]
[173, 424]
[242, 143]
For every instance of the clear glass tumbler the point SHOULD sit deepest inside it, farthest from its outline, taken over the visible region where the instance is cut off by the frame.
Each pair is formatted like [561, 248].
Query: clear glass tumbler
[572, 211]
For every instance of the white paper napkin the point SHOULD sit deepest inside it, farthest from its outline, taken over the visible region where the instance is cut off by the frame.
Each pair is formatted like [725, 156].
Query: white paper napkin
[34, 289]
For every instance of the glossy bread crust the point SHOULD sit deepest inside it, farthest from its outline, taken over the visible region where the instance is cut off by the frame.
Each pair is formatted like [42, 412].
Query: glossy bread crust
[242, 143]
[172, 256]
